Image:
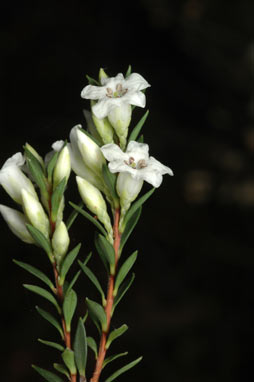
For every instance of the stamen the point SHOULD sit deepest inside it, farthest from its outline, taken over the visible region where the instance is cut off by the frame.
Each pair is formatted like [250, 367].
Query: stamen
[142, 163]
[109, 92]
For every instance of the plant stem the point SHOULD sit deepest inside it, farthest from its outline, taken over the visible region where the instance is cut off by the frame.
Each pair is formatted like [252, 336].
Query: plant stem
[109, 302]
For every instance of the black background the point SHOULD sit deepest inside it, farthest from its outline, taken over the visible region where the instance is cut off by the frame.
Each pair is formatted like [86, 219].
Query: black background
[190, 310]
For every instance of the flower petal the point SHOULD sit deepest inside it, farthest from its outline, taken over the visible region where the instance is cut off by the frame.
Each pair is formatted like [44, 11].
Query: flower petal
[103, 107]
[136, 82]
[135, 98]
[112, 152]
[93, 92]
[159, 167]
[111, 81]
[151, 176]
[138, 150]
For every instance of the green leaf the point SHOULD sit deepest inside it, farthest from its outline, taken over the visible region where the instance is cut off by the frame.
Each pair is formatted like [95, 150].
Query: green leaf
[105, 250]
[62, 369]
[48, 375]
[93, 279]
[92, 345]
[112, 358]
[97, 314]
[135, 132]
[130, 225]
[51, 165]
[73, 281]
[68, 261]
[52, 344]
[124, 270]
[68, 358]
[123, 369]
[80, 348]
[110, 180]
[40, 239]
[36, 171]
[44, 293]
[56, 199]
[122, 290]
[36, 272]
[135, 206]
[73, 216]
[115, 334]
[92, 81]
[51, 319]
[128, 71]
[141, 139]
[69, 306]
[89, 217]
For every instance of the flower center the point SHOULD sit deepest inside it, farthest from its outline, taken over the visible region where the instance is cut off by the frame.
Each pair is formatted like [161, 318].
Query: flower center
[140, 164]
[119, 92]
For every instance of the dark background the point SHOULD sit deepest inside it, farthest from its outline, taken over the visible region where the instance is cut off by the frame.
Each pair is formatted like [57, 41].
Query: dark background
[190, 310]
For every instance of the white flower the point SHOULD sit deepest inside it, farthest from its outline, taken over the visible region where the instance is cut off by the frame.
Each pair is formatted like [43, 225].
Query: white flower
[115, 92]
[13, 179]
[135, 162]
[17, 223]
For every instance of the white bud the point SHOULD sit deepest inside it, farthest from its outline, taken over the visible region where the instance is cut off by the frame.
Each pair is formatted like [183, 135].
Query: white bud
[60, 242]
[35, 212]
[63, 166]
[17, 223]
[13, 179]
[120, 118]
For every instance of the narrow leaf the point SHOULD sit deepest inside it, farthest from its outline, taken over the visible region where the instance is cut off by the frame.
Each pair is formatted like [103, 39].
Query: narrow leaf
[105, 249]
[51, 165]
[68, 261]
[112, 358]
[124, 270]
[89, 217]
[135, 132]
[56, 198]
[115, 334]
[122, 290]
[69, 306]
[97, 314]
[93, 279]
[128, 71]
[123, 369]
[110, 180]
[141, 139]
[36, 171]
[52, 344]
[73, 216]
[92, 345]
[80, 348]
[92, 81]
[68, 358]
[40, 239]
[36, 272]
[135, 206]
[72, 283]
[131, 224]
[48, 375]
[62, 369]
[51, 319]
[44, 293]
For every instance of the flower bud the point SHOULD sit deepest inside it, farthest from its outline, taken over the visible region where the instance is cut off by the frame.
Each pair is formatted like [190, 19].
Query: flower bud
[35, 212]
[91, 128]
[17, 223]
[104, 129]
[120, 118]
[63, 166]
[94, 201]
[13, 179]
[90, 152]
[60, 242]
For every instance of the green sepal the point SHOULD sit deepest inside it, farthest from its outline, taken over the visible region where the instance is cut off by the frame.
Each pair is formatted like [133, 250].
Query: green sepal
[130, 225]
[112, 358]
[43, 293]
[37, 273]
[72, 217]
[92, 81]
[68, 358]
[92, 345]
[122, 290]
[97, 314]
[124, 270]
[115, 334]
[56, 199]
[123, 369]
[80, 348]
[110, 181]
[37, 172]
[51, 166]
[89, 217]
[106, 252]
[62, 369]
[69, 306]
[51, 319]
[93, 279]
[135, 132]
[48, 375]
[72, 283]
[40, 239]
[128, 71]
[51, 344]
[67, 262]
